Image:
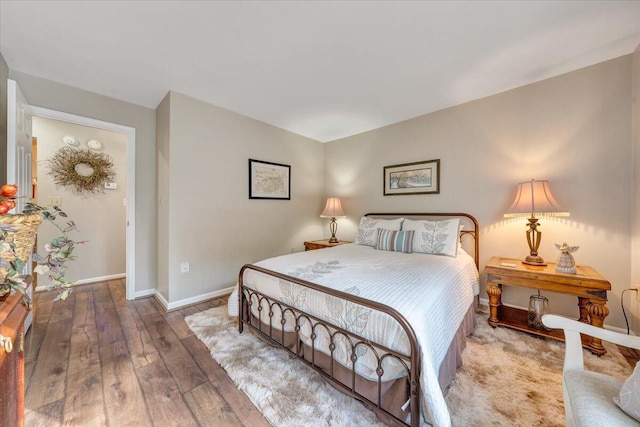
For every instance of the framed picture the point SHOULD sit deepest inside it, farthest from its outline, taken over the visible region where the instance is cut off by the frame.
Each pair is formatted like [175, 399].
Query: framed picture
[269, 180]
[412, 178]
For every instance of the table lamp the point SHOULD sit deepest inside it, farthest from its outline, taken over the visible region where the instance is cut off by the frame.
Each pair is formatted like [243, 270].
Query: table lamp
[333, 210]
[534, 199]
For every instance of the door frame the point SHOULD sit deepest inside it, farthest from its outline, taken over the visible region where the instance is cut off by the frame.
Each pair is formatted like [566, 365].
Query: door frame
[130, 133]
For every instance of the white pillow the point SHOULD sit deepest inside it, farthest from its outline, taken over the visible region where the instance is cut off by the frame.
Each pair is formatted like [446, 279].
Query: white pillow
[629, 400]
[368, 229]
[434, 237]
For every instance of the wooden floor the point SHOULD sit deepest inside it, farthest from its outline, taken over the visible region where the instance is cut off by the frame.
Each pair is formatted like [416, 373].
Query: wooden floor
[97, 359]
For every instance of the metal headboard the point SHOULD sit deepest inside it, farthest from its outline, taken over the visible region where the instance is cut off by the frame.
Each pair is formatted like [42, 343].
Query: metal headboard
[471, 225]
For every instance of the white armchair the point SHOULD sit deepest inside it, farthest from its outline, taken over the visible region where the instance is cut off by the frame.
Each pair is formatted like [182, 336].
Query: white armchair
[588, 396]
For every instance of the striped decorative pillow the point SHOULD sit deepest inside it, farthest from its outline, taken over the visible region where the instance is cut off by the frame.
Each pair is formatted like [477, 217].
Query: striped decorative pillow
[397, 241]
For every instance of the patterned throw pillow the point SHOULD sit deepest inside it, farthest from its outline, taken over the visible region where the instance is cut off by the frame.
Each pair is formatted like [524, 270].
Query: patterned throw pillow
[368, 229]
[434, 237]
[629, 400]
[397, 241]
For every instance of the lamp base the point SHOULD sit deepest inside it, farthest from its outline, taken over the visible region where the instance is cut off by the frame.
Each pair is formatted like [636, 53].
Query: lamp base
[333, 239]
[534, 260]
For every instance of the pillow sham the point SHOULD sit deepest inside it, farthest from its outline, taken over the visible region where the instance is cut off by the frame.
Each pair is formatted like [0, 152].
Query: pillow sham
[396, 241]
[434, 237]
[367, 230]
[629, 399]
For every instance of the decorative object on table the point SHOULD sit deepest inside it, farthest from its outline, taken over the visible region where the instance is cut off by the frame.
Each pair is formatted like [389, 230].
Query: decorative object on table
[82, 171]
[70, 140]
[94, 144]
[565, 262]
[333, 210]
[534, 199]
[269, 180]
[412, 178]
[17, 238]
[538, 307]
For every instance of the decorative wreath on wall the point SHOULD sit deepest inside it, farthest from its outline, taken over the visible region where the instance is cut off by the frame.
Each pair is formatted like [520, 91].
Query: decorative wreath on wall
[83, 171]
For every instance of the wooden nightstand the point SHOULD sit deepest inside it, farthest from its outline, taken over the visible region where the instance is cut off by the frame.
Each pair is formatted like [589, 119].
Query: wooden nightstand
[321, 244]
[587, 284]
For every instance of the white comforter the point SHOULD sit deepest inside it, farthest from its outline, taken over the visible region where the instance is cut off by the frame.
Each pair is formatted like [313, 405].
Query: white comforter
[432, 292]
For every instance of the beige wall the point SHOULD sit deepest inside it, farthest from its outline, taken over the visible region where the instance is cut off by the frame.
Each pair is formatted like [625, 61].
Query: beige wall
[635, 253]
[59, 97]
[574, 130]
[101, 216]
[4, 75]
[162, 197]
[212, 223]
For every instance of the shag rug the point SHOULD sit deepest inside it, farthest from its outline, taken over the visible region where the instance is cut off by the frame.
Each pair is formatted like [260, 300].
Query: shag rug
[508, 378]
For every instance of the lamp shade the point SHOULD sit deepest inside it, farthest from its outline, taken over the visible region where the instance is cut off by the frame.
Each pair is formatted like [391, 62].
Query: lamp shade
[534, 198]
[333, 209]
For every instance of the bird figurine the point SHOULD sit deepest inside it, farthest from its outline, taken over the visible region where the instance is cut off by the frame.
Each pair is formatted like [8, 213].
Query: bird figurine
[565, 262]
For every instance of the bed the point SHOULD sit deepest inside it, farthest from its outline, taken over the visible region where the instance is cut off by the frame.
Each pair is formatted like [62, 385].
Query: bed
[384, 326]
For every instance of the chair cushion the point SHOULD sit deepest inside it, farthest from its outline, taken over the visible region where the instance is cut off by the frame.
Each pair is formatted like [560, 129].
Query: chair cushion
[591, 398]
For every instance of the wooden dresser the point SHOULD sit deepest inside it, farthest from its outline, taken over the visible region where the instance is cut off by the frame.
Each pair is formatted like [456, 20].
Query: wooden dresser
[13, 312]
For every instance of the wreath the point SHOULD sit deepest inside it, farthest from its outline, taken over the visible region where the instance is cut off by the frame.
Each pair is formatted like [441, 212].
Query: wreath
[83, 171]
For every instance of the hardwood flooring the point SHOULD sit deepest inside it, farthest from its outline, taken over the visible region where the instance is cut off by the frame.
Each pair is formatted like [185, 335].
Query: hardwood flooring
[97, 359]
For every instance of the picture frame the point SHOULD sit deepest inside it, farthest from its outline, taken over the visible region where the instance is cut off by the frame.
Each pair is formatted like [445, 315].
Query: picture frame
[269, 180]
[412, 178]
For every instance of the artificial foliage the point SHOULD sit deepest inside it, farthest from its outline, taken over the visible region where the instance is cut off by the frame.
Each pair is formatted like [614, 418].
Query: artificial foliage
[62, 167]
[53, 264]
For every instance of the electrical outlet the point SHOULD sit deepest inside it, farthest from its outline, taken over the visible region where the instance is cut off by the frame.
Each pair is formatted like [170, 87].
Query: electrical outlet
[293, 250]
[637, 288]
[184, 267]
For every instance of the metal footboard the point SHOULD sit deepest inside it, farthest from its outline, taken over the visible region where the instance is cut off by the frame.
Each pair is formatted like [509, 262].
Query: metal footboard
[268, 308]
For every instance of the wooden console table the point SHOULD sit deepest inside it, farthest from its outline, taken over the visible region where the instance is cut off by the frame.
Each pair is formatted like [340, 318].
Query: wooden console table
[13, 312]
[587, 284]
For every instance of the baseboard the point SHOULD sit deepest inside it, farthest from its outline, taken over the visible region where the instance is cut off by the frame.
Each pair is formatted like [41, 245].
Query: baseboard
[190, 301]
[100, 279]
[145, 293]
[90, 280]
[485, 301]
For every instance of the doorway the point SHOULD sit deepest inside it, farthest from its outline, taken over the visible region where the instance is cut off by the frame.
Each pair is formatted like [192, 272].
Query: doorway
[127, 203]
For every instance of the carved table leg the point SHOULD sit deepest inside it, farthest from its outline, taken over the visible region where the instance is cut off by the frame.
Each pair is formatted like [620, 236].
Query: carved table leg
[597, 312]
[582, 305]
[494, 290]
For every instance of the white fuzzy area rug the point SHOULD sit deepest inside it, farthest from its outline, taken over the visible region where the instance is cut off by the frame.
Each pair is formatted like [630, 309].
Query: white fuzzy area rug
[286, 391]
[508, 378]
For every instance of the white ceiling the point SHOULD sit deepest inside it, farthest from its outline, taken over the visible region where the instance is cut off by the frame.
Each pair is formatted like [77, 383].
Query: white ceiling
[325, 70]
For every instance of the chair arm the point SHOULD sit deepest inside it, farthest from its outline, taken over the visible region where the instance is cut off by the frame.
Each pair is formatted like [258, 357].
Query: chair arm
[572, 329]
[554, 321]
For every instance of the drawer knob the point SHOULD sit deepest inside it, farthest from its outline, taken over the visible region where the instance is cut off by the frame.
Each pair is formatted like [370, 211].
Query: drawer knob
[6, 343]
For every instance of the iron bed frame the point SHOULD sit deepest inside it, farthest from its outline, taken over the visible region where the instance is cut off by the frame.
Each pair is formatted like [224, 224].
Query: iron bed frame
[276, 336]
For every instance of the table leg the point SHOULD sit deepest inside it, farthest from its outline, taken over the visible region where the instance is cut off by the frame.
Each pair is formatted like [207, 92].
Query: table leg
[584, 313]
[494, 290]
[597, 312]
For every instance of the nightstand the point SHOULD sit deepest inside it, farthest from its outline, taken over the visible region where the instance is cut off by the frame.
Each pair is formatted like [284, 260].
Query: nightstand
[587, 284]
[321, 244]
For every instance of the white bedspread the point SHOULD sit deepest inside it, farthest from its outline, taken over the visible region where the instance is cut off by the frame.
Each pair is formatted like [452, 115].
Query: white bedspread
[432, 292]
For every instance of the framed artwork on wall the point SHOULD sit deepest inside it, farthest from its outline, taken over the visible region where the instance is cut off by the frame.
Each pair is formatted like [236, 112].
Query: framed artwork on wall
[412, 178]
[269, 180]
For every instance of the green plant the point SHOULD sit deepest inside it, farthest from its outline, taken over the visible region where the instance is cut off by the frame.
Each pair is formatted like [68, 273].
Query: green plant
[59, 250]
[53, 264]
